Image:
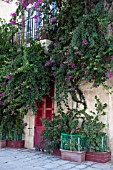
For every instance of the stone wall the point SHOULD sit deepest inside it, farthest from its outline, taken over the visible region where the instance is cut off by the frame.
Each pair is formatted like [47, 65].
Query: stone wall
[104, 97]
[29, 130]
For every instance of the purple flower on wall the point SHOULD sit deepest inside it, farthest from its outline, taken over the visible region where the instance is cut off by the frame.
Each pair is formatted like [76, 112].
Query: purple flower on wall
[111, 30]
[87, 80]
[35, 17]
[13, 14]
[47, 63]
[53, 68]
[70, 77]
[1, 103]
[110, 75]
[72, 89]
[26, 4]
[55, 44]
[9, 77]
[1, 94]
[52, 19]
[23, 22]
[53, 75]
[85, 72]
[73, 65]
[39, 1]
[12, 60]
[13, 22]
[111, 57]
[84, 42]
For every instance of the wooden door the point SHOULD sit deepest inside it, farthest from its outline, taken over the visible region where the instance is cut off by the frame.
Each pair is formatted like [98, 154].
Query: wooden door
[45, 110]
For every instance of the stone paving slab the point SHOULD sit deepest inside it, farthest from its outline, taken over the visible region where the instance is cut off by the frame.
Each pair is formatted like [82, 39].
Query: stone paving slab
[25, 159]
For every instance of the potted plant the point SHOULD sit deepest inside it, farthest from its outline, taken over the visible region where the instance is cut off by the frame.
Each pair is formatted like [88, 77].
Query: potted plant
[66, 122]
[15, 140]
[3, 128]
[2, 137]
[15, 132]
[97, 140]
[73, 147]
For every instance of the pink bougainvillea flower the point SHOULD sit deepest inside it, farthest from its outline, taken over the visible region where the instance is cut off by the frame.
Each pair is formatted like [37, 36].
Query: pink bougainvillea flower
[70, 77]
[87, 80]
[35, 17]
[52, 19]
[36, 4]
[39, 1]
[13, 14]
[111, 30]
[25, 4]
[110, 75]
[53, 75]
[9, 77]
[23, 22]
[55, 44]
[85, 72]
[84, 42]
[1, 103]
[111, 57]
[1, 94]
[72, 89]
[53, 68]
[13, 22]
[30, 1]
[73, 65]
[48, 63]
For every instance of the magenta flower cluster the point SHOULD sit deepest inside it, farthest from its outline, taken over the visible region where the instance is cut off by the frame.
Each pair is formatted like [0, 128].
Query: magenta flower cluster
[24, 4]
[52, 20]
[84, 42]
[47, 63]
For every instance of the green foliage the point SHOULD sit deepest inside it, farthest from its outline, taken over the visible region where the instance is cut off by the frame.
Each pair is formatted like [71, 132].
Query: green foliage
[63, 122]
[81, 51]
[93, 128]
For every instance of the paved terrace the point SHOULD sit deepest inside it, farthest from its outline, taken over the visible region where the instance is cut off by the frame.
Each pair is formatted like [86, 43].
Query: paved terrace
[25, 159]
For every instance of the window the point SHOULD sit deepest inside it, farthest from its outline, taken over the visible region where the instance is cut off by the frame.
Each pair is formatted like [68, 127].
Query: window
[37, 20]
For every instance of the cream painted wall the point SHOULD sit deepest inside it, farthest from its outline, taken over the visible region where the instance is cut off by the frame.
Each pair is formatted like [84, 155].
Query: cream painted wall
[104, 97]
[6, 9]
[29, 130]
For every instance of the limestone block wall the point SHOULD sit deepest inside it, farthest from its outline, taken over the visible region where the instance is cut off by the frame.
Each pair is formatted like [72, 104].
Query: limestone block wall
[29, 129]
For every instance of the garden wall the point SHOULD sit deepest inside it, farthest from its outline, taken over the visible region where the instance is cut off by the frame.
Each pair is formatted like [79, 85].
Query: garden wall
[104, 97]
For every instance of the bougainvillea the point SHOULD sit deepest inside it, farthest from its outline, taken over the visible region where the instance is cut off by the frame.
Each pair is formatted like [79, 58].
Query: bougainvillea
[81, 50]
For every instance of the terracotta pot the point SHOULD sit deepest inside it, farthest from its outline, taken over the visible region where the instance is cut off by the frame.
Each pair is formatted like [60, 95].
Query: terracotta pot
[2, 143]
[15, 144]
[75, 156]
[100, 157]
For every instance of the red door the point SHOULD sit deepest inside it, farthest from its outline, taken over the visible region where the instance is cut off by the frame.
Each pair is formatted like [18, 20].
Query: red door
[45, 110]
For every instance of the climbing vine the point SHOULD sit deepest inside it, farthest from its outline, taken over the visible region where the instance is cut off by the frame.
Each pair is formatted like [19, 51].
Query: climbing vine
[81, 51]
